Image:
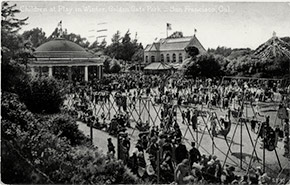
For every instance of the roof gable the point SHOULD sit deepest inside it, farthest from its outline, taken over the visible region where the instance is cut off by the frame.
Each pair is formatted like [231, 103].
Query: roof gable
[173, 44]
[195, 42]
[147, 48]
[153, 47]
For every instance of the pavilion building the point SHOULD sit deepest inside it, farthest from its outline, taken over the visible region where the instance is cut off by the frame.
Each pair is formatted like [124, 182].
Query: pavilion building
[171, 50]
[66, 60]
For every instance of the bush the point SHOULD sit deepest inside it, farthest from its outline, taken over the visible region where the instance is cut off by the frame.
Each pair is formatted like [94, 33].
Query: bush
[43, 95]
[206, 65]
[14, 75]
[65, 126]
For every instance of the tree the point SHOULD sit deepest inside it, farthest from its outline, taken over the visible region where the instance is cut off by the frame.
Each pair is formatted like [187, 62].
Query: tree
[206, 65]
[115, 66]
[96, 46]
[36, 36]
[43, 95]
[103, 44]
[138, 55]
[77, 39]
[114, 49]
[128, 48]
[107, 65]
[236, 53]
[13, 49]
[10, 25]
[192, 51]
[116, 37]
[220, 50]
[64, 125]
[122, 47]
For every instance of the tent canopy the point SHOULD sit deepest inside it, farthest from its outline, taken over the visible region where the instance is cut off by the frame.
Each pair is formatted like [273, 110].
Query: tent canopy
[158, 66]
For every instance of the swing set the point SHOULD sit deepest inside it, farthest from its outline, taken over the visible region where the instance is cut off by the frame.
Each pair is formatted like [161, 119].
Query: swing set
[144, 109]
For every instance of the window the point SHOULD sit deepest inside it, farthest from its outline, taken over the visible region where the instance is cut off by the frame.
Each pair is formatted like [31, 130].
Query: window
[152, 58]
[146, 59]
[180, 57]
[167, 58]
[162, 58]
[174, 57]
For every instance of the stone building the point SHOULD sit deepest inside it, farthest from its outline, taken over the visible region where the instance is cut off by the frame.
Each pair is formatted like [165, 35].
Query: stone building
[66, 60]
[171, 50]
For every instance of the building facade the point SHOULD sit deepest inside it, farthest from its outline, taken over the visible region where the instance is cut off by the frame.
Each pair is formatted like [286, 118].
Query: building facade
[66, 60]
[171, 50]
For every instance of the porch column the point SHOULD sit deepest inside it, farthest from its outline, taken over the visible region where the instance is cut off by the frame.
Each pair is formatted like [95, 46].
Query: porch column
[69, 73]
[99, 72]
[86, 74]
[50, 71]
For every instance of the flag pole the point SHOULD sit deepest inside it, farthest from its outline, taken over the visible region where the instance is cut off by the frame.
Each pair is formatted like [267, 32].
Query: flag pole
[166, 31]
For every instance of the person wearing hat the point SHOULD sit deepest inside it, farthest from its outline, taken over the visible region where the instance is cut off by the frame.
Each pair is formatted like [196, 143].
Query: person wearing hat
[188, 116]
[229, 173]
[181, 172]
[180, 152]
[111, 147]
[264, 179]
[126, 145]
[133, 162]
[253, 177]
[166, 168]
[153, 147]
[194, 120]
[167, 146]
[194, 154]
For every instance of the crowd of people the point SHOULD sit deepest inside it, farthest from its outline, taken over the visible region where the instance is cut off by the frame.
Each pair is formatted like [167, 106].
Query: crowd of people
[167, 155]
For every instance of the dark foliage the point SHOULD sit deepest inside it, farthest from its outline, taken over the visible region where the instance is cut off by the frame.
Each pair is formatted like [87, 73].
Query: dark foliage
[204, 66]
[32, 154]
[43, 95]
[64, 125]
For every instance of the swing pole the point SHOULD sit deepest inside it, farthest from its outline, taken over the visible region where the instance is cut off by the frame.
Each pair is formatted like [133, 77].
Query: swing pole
[278, 159]
[158, 166]
[148, 110]
[249, 166]
[251, 141]
[264, 153]
[241, 147]
[197, 130]
[230, 144]
[109, 108]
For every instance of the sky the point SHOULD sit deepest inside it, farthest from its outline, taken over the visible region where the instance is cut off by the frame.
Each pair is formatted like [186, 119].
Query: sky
[231, 24]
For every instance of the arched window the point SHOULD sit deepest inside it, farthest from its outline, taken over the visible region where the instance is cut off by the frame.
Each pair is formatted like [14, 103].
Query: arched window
[162, 58]
[152, 58]
[146, 59]
[167, 58]
[174, 57]
[180, 57]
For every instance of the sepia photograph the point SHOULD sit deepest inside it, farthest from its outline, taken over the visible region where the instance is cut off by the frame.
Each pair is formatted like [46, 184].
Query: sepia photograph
[145, 92]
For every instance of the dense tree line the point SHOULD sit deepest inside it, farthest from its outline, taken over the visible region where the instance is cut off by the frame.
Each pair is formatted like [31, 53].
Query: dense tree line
[124, 48]
[274, 62]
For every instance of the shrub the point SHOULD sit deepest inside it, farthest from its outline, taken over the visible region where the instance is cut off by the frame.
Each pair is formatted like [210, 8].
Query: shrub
[63, 125]
[206, 65]
[43, 95]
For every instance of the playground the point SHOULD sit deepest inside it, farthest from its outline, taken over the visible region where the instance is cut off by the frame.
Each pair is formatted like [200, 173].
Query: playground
[237, 145]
